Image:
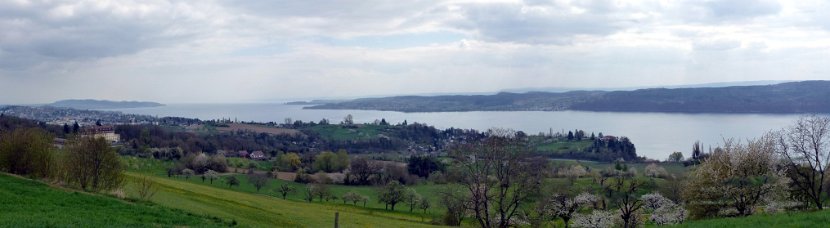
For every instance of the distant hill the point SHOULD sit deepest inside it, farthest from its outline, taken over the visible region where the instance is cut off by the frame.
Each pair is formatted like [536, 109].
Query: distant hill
[103, 104]
[790, 97]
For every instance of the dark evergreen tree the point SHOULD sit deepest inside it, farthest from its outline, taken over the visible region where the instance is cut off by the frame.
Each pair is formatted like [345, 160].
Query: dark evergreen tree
[76, 128]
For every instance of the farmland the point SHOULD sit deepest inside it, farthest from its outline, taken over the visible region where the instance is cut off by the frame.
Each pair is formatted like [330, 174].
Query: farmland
[257, 210]
[28, 203]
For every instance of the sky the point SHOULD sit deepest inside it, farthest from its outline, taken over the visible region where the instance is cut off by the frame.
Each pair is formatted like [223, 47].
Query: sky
[225, 51]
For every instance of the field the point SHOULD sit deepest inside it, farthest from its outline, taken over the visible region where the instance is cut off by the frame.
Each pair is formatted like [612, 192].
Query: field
[360, 132]
[801, 219]
[28, 203]
[232, 127]
[258, 210]
[563, 146]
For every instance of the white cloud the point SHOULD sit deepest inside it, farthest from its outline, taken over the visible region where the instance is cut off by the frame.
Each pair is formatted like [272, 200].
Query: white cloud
[230, 50]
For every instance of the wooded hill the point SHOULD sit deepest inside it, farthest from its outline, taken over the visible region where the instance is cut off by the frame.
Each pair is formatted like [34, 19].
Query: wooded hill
[791, 97]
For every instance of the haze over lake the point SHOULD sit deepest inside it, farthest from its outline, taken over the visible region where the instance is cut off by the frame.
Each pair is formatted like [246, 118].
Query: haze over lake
[655, 135]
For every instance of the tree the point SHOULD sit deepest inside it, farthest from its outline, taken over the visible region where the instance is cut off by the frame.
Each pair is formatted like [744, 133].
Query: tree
[76, 128]
[27, 152]
[362, 169]
[285, 189]
[327, 162]
[320, 190]
[565, 205]
[188, 173]
[232, 181]
[258, 180]
[289, 162]
[737, 176]
[341, 160]
[597, 219]
[423, 204]
[309, 192]
[624, 193]
[423, 165]
[805, 148]
[66, 129]
[146, 188]
[654, 170]
[697, 152]
[675, 157]
[499, 175]
[93, 165]
[391, 194]
[663, 210]
[348, 120]
[218, 163]
[413, 199]
[211, 175]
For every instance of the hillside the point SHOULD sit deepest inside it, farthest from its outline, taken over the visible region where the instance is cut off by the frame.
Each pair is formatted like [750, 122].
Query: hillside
[260, 210]
[103, 104]
[28, 203]
[791, 97]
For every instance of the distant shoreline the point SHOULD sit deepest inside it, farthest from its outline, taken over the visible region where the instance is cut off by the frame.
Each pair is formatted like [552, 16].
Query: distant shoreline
[805, 97]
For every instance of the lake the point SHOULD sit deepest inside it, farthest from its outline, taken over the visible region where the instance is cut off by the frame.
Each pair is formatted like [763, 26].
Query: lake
[656, 135]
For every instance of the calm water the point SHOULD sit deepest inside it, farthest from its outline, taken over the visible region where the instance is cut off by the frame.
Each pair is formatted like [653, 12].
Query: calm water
[656, 135]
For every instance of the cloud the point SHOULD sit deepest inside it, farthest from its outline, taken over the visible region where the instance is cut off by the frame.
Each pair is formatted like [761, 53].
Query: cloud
[232, 50]
[540, 22]
[39, 31]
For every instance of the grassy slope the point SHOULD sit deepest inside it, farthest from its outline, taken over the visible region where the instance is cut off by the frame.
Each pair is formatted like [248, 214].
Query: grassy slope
[28, 203]
[266, 211]
[339, 133]
[804, 219]
[156, 168]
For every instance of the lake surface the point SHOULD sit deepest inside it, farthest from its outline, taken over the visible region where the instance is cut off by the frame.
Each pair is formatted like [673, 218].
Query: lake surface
[656, 135]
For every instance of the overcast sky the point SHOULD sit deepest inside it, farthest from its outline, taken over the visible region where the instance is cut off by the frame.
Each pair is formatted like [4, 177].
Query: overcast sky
[256, 51]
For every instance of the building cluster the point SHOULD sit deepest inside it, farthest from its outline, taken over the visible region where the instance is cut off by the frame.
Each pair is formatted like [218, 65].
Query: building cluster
[68, 116]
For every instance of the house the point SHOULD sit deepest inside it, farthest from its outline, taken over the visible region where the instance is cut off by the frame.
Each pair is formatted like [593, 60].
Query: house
[106, 132]
[243, 154]
[258, 155]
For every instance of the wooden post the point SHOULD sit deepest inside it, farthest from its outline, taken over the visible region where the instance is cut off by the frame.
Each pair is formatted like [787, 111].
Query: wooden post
[336, 219]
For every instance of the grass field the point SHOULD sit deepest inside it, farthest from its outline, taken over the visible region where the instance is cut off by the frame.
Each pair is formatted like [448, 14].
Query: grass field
[339, 133]
[259, 210]
[563, 146]
[426, 190]
[233, 127]
[28, 203]
[795, 219]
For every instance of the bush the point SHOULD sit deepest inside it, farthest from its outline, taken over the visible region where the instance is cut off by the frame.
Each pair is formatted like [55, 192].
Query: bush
[27, 152]
[93, 165]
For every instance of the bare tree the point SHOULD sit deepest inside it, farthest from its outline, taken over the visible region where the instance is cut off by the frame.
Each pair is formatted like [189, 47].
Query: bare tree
[258, 180]
[804, 147]
[146, 188]
[284, 190]
[499, 176]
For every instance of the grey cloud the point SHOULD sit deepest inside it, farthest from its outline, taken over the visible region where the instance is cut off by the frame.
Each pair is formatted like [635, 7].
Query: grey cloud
[740, 9]
[538, 23]
[37, 32]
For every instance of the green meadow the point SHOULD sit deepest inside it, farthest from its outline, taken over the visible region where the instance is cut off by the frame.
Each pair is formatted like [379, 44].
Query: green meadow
[29, 203]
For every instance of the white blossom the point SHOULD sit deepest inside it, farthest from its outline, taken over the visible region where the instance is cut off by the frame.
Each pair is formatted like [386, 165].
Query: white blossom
[597, 219]
[664, 211]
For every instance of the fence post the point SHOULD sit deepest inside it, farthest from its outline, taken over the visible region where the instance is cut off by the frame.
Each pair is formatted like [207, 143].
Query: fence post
[336, 219]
